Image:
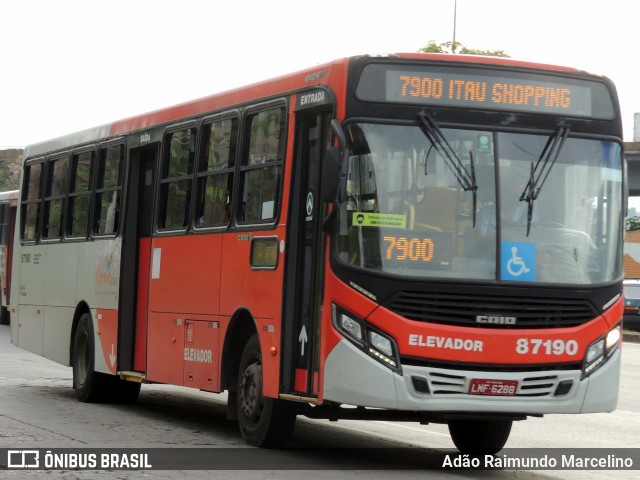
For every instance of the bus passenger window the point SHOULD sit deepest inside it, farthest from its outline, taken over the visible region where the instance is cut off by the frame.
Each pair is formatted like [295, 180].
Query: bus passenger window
[31, 201]
[56, 190]
[80, 194]
[215, 172]
[175, 186]
[108, 190]
[262, 166]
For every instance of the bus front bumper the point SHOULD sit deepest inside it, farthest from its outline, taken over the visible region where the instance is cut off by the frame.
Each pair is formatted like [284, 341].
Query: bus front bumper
[352, 377]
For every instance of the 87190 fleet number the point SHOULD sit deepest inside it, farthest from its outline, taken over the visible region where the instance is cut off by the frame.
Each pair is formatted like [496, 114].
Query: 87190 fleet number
[537, 346]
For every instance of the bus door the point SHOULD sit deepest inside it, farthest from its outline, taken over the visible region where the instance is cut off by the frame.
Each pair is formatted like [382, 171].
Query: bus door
[136, 257]
[305, 247]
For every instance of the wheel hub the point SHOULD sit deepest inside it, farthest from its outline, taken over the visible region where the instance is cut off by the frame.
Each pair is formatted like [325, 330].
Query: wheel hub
[251, 391]
[82, 362]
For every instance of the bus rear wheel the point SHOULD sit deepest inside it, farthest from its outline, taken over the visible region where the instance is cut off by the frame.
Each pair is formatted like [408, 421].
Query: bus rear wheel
[92, 386]
[264, 422]
[480, 437]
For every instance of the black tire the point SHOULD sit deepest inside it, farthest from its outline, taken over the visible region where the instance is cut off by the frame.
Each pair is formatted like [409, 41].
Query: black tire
[264, 422]
[90, 386]
[480, 437]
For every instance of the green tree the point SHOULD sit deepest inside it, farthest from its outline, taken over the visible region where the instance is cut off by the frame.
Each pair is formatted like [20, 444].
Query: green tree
[457, 47]
[632, 224]
[10, 174]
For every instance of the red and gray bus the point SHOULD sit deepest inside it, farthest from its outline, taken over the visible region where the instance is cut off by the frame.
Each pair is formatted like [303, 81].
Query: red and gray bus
[420, 237]
[8, 207]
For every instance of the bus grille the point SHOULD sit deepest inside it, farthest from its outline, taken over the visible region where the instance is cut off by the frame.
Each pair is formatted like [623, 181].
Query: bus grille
[464, 310]
[446, 384]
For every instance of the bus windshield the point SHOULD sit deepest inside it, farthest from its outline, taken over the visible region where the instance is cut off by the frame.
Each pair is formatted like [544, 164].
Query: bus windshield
[407, 212]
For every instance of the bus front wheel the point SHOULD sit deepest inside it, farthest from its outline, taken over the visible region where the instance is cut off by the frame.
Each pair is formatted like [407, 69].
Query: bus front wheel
[480, 437]
[264, 421]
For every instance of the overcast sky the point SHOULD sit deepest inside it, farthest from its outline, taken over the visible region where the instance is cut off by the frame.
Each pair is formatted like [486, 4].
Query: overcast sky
[66, 65]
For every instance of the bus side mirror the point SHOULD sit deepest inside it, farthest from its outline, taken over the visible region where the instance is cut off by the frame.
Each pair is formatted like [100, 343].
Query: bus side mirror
[330, 175]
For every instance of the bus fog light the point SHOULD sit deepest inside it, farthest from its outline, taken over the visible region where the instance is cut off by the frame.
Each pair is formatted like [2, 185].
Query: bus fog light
[381, 343]
[383, 358]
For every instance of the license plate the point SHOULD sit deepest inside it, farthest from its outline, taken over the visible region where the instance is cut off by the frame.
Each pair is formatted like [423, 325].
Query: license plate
[486, 386]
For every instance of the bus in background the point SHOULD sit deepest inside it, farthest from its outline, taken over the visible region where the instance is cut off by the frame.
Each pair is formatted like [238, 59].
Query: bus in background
[631, 285]
[8, 207]
[413, 237]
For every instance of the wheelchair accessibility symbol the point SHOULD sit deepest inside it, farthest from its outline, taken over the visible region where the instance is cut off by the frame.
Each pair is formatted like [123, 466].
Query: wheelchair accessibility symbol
[515, 265]
[518, 261]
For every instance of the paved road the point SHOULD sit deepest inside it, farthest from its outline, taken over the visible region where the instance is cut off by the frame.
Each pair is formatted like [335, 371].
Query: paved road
[38, 410]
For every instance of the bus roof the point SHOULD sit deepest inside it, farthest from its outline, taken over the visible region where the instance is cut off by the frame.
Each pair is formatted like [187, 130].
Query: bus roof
[316, 75]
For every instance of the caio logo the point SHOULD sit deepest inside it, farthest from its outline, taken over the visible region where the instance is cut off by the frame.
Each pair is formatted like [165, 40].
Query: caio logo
[496, 320]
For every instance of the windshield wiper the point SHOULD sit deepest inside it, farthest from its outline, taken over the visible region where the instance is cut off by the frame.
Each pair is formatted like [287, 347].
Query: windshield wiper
[465, 178]
[540, 171]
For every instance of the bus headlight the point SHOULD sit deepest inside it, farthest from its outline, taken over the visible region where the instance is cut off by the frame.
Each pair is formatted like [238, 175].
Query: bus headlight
[381, 343]
[600, 350]
[613, 338]
[350, 326]
[367, 338]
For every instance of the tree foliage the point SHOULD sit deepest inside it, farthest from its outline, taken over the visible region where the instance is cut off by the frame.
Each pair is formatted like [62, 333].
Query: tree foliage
[632, 224]
[10, 174]
[457, 47]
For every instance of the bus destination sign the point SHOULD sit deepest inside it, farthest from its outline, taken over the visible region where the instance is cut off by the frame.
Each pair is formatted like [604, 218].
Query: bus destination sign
[485, 89]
